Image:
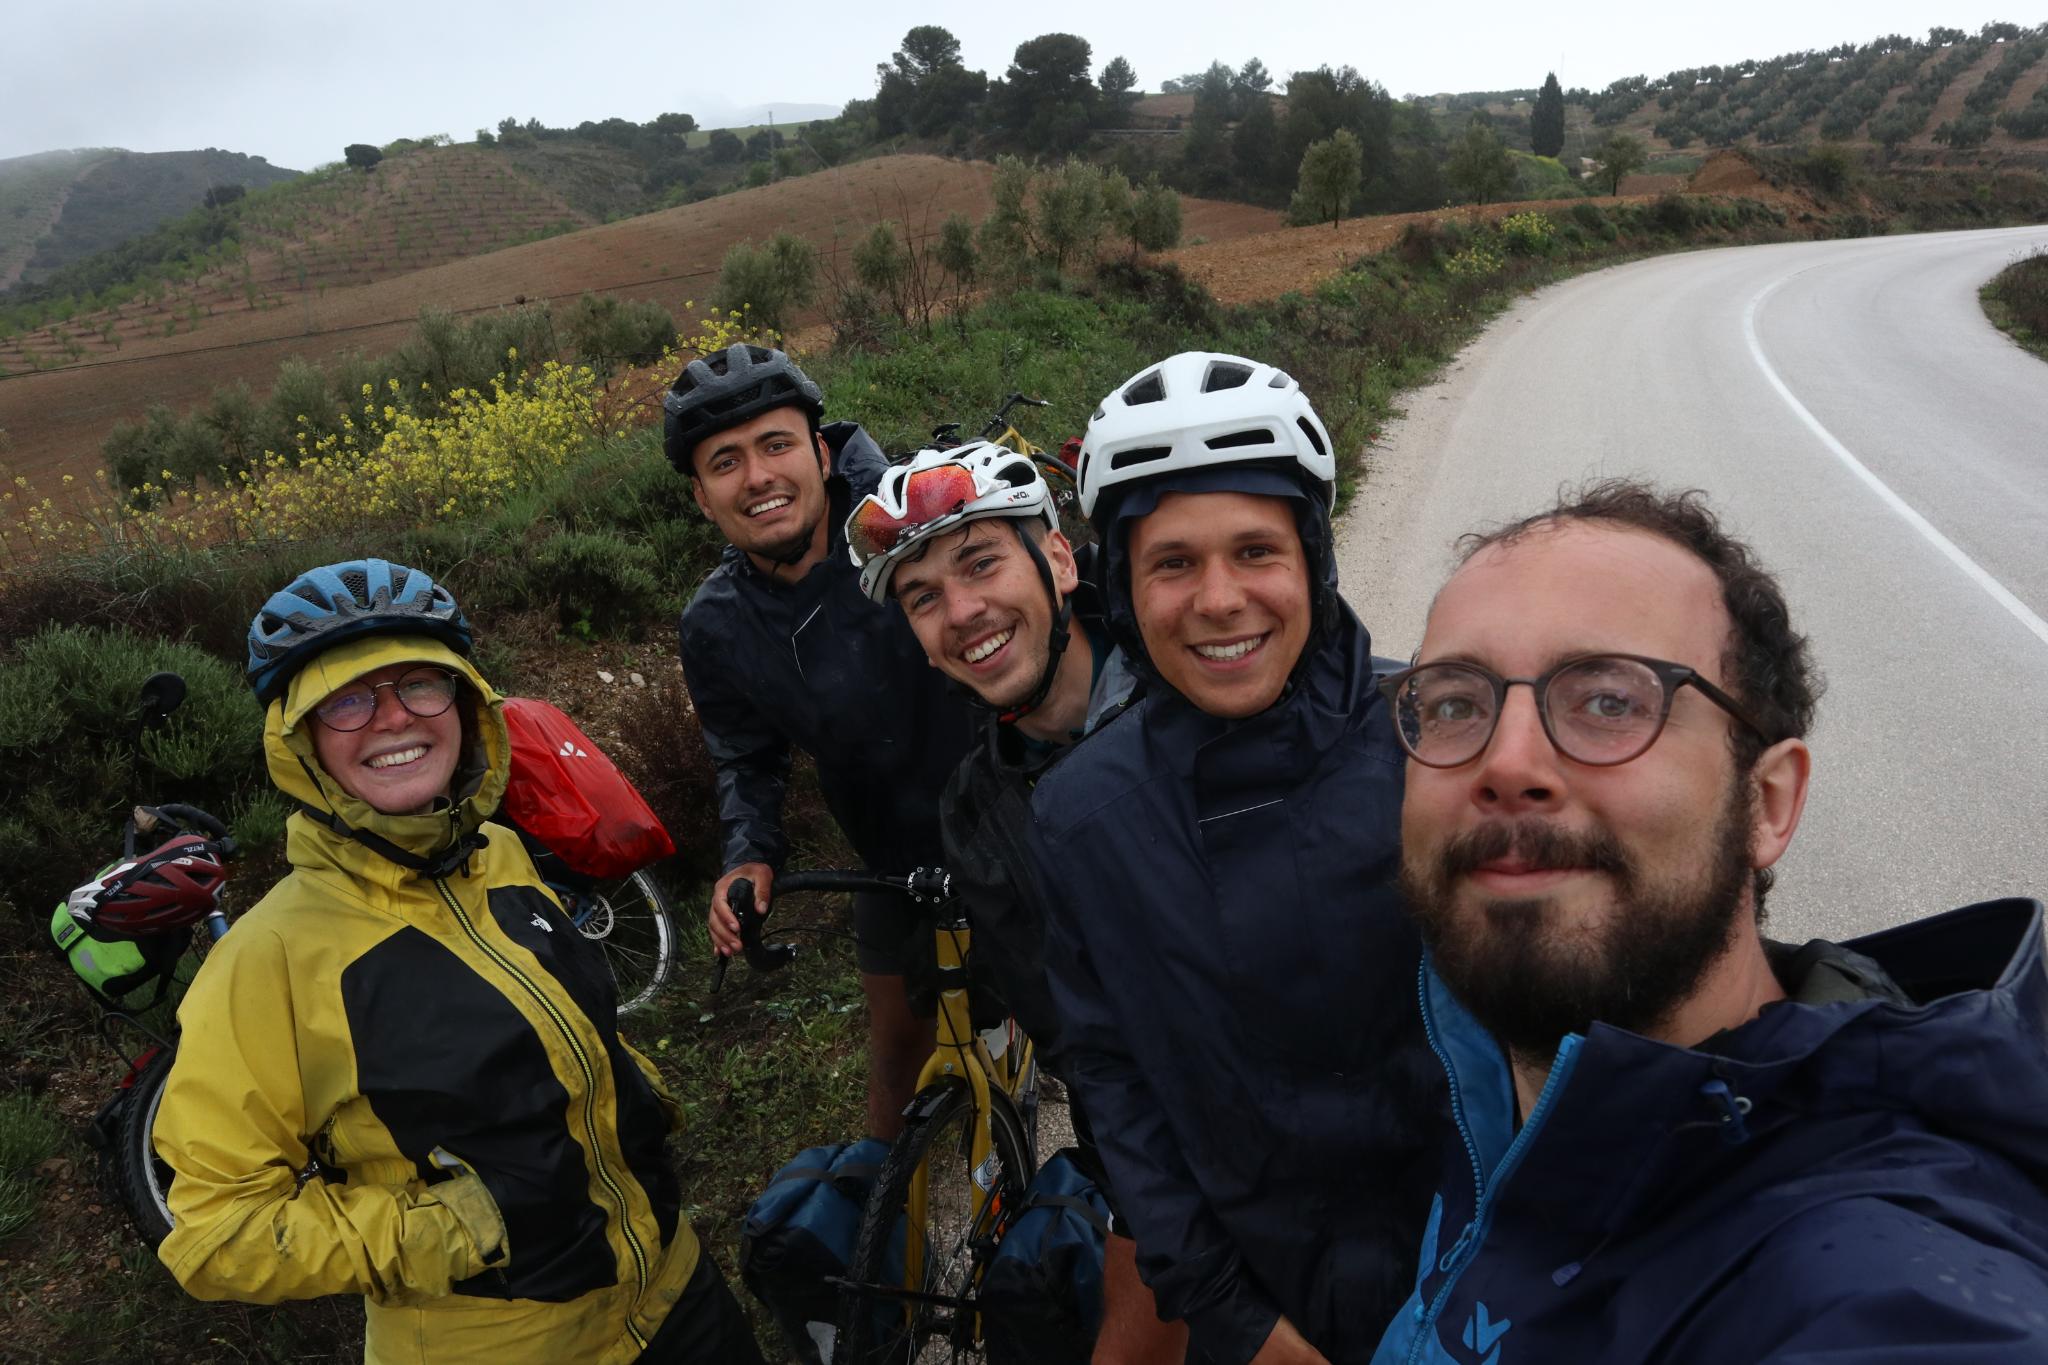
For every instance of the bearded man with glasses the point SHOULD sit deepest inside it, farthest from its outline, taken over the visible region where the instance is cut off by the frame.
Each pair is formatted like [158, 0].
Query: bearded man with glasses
[1682, 1141]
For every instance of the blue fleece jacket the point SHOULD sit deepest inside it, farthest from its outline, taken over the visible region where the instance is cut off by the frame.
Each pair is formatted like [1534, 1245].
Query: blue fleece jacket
[1856, 1180]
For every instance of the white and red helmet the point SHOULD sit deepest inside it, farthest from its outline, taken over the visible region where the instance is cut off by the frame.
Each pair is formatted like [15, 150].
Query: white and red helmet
[937, 491]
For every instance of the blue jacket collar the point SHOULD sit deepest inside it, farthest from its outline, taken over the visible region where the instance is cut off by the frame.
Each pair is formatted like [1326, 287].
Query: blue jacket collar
[1637, 1124]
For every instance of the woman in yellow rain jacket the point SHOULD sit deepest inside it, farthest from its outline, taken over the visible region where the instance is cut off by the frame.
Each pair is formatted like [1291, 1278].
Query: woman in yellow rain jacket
[401, 1075]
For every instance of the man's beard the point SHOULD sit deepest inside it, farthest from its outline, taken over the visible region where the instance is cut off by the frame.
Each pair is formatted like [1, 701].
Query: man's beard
[1530, 980]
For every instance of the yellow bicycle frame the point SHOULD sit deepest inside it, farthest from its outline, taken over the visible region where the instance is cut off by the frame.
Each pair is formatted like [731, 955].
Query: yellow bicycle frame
[963, 1053]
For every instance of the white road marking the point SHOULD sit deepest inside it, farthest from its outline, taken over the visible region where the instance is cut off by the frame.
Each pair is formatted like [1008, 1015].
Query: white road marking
[1998, 592]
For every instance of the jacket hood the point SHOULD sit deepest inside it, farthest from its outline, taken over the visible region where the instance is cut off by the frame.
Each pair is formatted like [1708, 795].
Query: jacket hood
[1311, 521]
[321, 832]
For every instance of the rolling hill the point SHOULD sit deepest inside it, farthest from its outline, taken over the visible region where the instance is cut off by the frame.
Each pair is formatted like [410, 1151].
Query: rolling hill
[228, 326]
[60, 207]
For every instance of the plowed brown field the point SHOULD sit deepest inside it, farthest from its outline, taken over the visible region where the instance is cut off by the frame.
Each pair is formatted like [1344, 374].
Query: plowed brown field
[1290, 259]
[57, 418]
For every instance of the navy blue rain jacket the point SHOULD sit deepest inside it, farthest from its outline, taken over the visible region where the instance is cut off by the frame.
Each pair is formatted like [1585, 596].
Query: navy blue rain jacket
[1235, 985]
[816, 665]
[1859, 1181]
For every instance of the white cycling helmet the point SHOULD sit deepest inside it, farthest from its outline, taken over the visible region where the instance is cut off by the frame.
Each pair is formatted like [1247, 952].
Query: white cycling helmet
[1198, 410]
[937, 491]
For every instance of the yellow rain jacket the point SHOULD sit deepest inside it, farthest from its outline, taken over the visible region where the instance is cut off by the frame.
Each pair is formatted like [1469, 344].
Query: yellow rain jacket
[412, 1087]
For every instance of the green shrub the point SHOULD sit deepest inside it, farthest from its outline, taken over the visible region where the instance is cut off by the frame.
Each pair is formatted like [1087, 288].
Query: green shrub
[607, 331]
[161, 452]
[1675, 214]
[1594, 220]
[774, 280]
[1423, 242]
[69, 762]
[601, 583]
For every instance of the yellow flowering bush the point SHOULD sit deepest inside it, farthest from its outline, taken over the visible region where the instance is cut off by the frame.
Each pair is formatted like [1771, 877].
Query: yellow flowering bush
[1477, 259]
[1529, 233]
[394, 459]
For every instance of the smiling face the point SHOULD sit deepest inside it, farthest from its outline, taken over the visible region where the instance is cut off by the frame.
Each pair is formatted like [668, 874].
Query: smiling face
[1219, 582]
[1551, 892]
[399, 763]
[762, 483]
[979, 608]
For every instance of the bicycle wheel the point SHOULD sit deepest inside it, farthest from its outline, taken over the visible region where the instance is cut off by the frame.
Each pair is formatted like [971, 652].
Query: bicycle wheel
[629, 919]
[141, 1179]
[942, 1325]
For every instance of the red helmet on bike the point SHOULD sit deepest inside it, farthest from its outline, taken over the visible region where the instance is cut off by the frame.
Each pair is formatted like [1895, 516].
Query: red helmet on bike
[171, 887]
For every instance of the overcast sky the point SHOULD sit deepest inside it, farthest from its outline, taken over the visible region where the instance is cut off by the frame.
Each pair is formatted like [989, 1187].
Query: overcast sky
[295, 81]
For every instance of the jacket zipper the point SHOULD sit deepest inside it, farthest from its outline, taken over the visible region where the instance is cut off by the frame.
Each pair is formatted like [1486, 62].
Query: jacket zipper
[1452, 1263]
[589, 1093]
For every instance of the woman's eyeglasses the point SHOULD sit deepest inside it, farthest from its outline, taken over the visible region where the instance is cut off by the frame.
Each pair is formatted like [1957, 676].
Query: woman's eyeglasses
[425, 691]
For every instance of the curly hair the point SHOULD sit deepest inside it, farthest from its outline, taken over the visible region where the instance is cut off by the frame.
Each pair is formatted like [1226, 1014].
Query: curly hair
[1766, 664]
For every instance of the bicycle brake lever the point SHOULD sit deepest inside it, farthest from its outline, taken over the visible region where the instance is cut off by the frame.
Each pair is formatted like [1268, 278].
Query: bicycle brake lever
[762, 957]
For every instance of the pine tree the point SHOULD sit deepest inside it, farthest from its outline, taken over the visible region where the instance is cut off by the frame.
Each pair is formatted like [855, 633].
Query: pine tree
[1546, 121]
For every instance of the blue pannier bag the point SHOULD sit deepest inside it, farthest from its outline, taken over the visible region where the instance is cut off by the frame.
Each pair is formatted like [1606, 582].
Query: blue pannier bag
[1041, 1297]
[800, 1233]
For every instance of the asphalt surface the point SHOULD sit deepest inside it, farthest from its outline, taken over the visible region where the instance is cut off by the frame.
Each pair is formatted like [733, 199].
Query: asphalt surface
[1883, 447]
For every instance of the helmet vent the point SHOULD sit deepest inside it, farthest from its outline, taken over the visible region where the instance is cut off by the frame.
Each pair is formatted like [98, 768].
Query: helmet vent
[1224, 374]
[358, 584]
[1237, 440]
[1124, 459]
[1150, 389]
[1280, 380]
[1315, 438]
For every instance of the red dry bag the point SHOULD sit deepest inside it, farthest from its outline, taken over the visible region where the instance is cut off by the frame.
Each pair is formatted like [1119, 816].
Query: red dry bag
[568, 795]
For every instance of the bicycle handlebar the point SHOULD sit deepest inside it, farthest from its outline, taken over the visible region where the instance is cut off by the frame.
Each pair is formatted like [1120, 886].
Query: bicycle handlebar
[926, 886]
[181, 818]
[1002, 417]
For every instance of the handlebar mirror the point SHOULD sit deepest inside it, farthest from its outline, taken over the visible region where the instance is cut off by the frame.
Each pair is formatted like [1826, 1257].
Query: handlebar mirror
[162, 693]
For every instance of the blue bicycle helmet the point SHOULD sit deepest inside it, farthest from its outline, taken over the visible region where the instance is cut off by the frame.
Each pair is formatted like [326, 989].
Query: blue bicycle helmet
[346, 601]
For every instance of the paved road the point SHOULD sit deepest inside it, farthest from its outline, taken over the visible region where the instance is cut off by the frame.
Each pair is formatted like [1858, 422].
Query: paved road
[1854, 416]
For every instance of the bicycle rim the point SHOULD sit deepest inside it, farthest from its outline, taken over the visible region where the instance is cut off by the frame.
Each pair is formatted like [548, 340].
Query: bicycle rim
[874, 1330]
[629, 919]
[143, 1179]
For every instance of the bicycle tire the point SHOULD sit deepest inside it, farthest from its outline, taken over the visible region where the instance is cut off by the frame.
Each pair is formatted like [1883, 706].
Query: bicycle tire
[629, 918]
[956, 1248]
[141, 1178]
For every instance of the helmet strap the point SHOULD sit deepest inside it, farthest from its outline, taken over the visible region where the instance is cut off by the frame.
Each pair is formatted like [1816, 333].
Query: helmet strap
[1056, 641]
[442, 864]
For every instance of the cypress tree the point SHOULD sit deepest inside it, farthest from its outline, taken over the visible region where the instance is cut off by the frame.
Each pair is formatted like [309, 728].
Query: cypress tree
[1546, 121]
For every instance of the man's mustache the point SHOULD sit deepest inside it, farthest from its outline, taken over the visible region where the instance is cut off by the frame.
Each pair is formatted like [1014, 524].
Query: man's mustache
[1541, 844]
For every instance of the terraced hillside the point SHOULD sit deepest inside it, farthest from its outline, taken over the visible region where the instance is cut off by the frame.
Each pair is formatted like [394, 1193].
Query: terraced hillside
[1946, 98]
[32, 194]
[356, 296]
[336, 229]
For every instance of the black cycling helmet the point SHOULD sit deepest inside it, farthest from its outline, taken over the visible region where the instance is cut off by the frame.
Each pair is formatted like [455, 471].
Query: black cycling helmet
[325, 606]
[716, 392]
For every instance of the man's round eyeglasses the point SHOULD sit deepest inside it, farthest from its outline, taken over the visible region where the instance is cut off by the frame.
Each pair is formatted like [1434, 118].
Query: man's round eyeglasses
[425, 691]
[1600, 710]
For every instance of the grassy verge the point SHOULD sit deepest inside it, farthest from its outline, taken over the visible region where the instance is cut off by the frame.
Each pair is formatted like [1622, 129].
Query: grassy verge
[2016, 301]
[583, 568]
